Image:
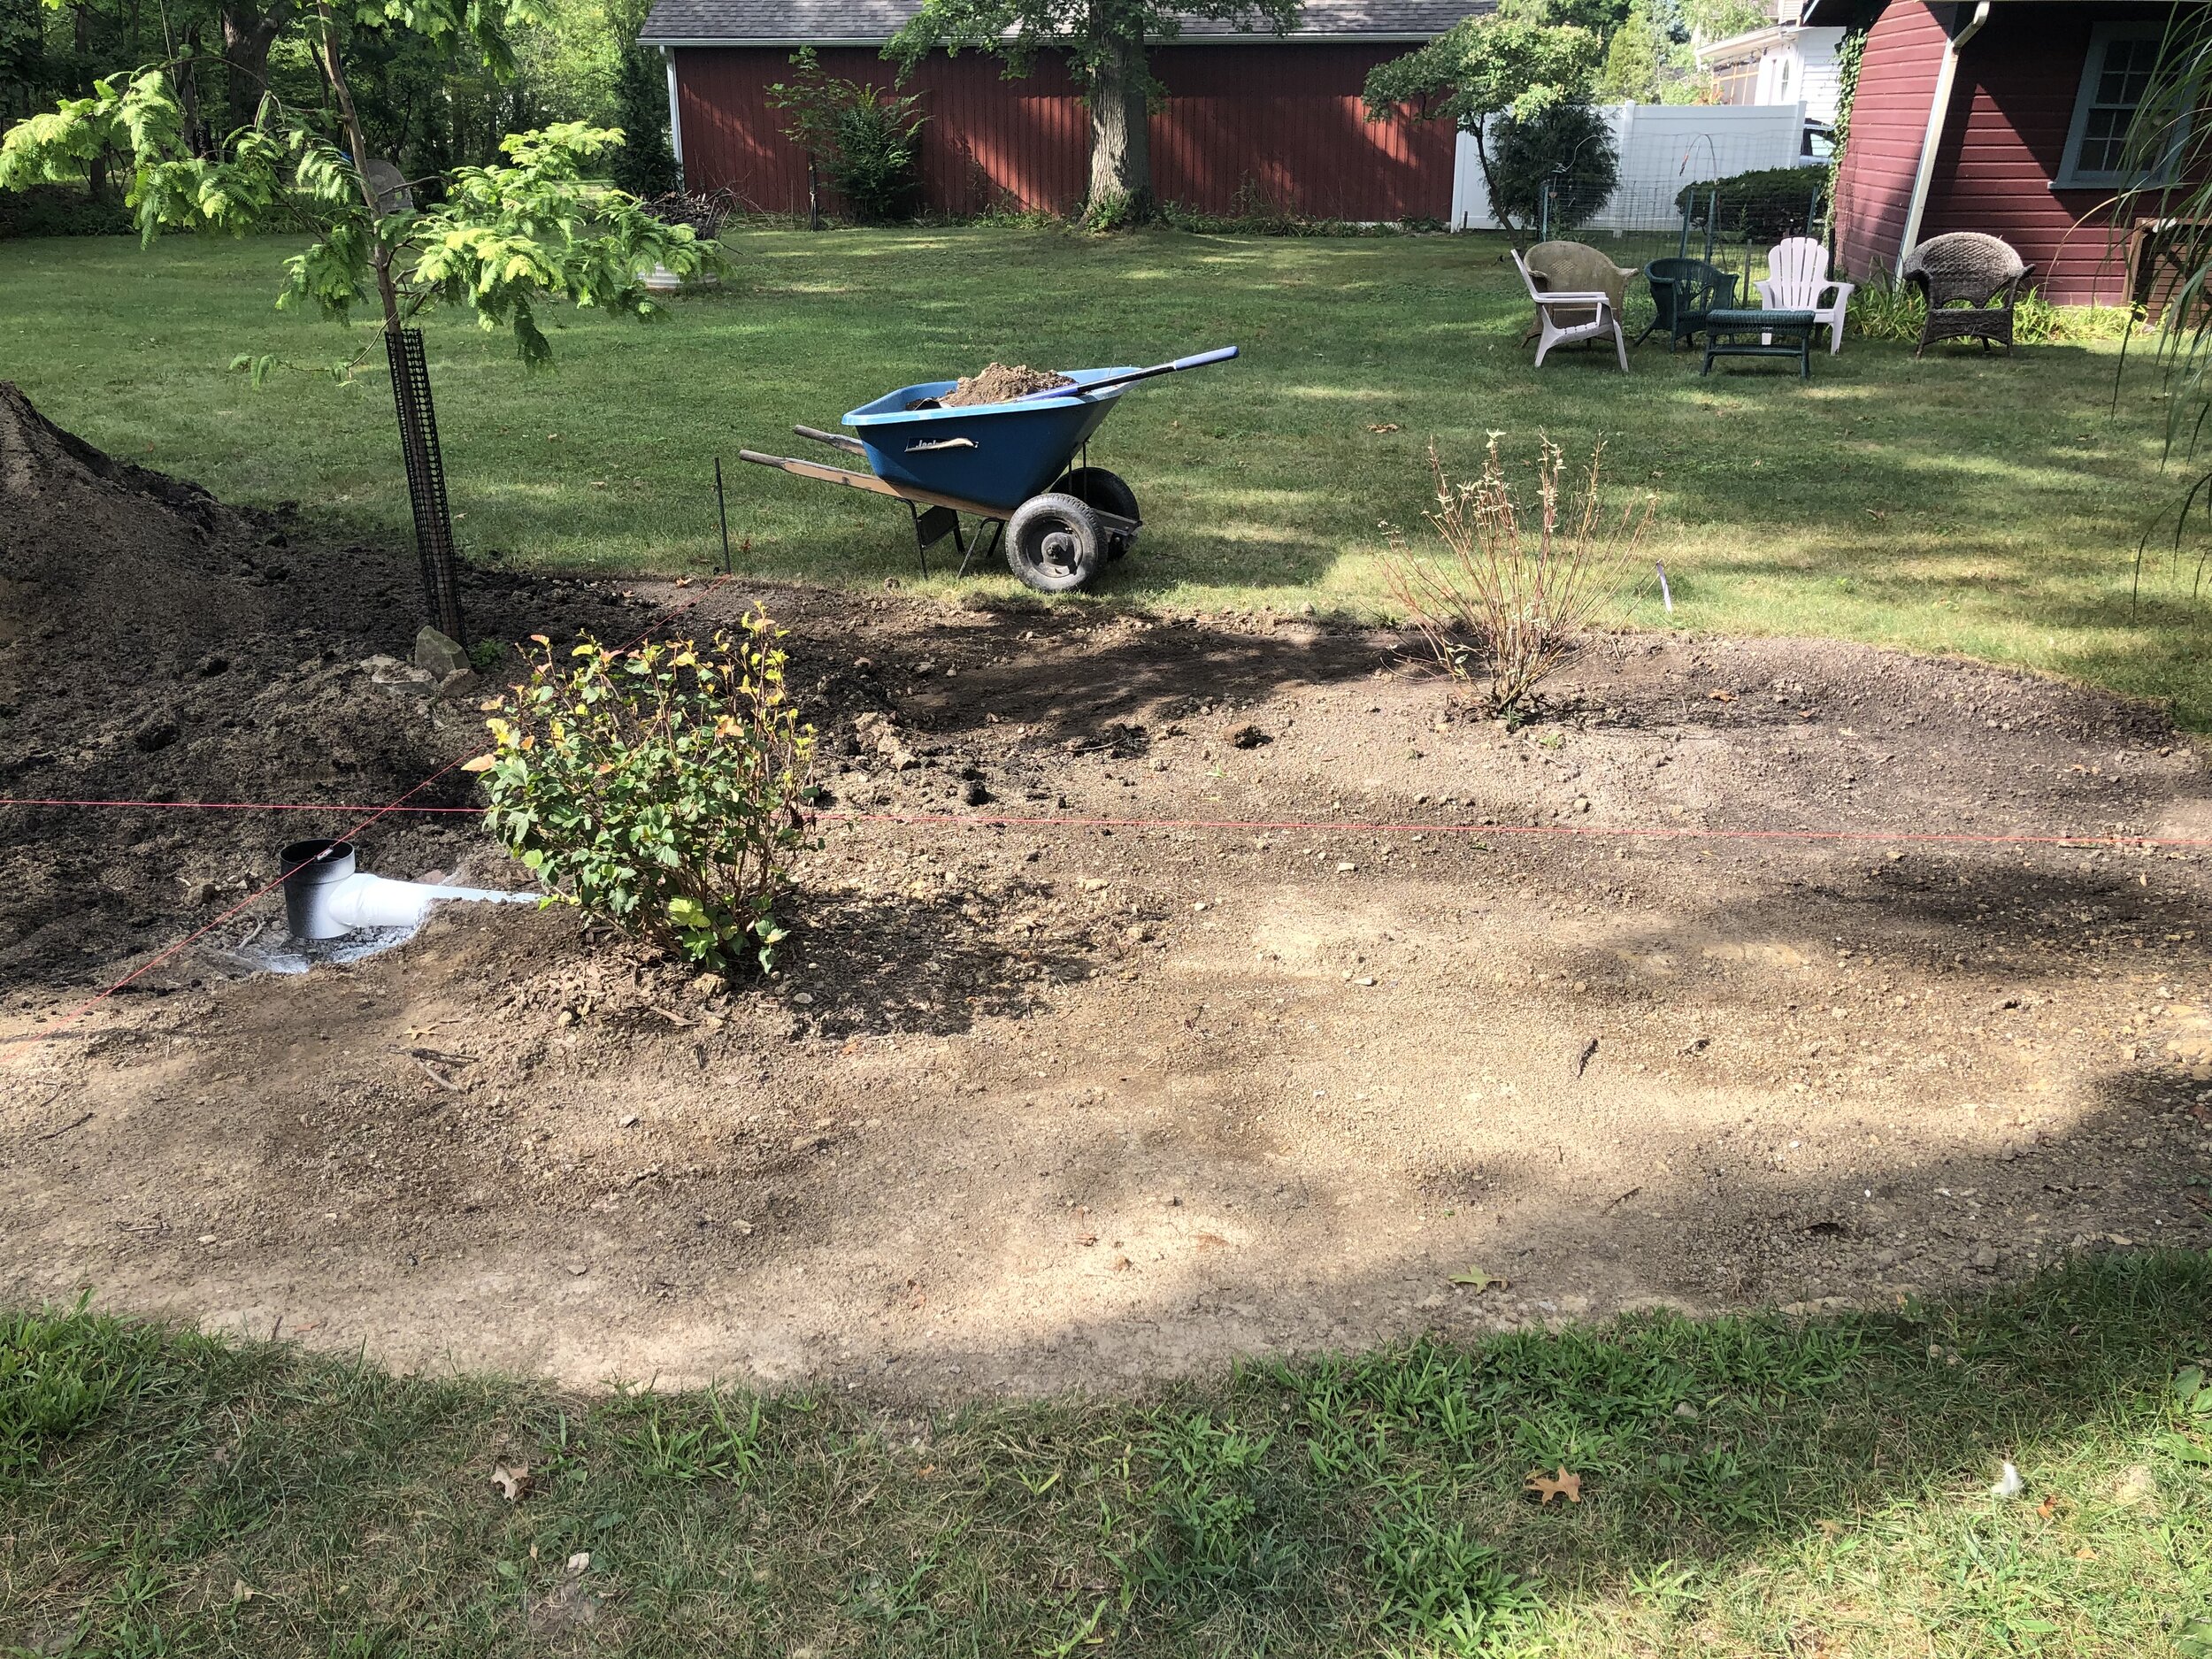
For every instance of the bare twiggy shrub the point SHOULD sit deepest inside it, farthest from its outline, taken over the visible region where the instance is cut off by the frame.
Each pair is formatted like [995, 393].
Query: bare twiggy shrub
[1509, 596]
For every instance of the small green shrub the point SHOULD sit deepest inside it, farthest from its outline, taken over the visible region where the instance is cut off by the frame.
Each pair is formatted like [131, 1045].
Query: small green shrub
[659, 788]
[1763, 205]
[1568, 149]
[58, 1372]
[867, 140]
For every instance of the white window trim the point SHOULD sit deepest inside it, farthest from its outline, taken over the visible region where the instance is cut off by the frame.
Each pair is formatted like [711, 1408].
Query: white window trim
[2071, 175]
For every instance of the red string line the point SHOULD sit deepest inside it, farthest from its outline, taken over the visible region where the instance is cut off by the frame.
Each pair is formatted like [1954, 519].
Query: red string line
[1353, 826]
[395, 805]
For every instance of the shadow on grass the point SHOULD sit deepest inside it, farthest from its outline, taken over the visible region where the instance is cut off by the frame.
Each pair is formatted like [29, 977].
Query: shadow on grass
[1739, 1485]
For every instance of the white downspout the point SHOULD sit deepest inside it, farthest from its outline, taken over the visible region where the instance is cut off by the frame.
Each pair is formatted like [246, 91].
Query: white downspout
[675, 115]
[1938, 109]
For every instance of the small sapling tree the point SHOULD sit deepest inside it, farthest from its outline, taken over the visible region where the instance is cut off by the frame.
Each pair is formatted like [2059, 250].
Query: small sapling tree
[659, 788]
[543, 227]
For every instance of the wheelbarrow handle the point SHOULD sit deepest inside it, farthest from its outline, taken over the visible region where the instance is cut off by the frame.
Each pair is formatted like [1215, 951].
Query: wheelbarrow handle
[1220, 355]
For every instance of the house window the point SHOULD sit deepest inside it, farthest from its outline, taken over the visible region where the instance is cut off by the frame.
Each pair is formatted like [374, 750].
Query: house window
[2115, 80]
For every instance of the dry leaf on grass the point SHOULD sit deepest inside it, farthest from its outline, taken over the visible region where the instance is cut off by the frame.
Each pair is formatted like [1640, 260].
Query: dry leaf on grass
[1477, 1280]
[1387, 425]
[513, 1483]
[1547, 1488]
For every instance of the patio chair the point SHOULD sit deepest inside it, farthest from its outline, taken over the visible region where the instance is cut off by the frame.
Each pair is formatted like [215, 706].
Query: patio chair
[1682, 291]
[1971, 282]
[1576, 267]
[1565, 318]
[1797, 280]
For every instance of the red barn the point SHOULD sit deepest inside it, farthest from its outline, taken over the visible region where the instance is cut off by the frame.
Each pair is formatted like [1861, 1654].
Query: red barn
[1252, 121]
[2003, 115]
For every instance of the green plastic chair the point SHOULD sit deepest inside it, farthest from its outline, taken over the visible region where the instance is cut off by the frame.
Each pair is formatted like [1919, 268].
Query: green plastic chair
[1682, 292]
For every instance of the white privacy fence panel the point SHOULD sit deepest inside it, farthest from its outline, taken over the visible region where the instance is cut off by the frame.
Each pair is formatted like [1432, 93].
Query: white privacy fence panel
[1663, 147]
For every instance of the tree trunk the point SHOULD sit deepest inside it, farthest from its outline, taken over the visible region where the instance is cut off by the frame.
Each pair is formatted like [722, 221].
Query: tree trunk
[1497, 208]
[247, 37]
[1121, 151]
[410, 376]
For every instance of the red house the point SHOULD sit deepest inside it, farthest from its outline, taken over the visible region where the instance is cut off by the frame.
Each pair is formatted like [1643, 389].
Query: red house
[1250, 121]
[2003, 115]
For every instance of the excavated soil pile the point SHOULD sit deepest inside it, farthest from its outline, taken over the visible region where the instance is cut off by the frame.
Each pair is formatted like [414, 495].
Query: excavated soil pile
[157, 645]
[997, 383]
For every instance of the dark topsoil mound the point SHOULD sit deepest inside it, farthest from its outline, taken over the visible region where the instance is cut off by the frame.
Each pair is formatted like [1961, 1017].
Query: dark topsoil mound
[158, 645]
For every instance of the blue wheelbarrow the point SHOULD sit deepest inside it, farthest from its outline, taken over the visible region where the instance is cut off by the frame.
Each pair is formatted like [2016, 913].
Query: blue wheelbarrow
[1019, 468]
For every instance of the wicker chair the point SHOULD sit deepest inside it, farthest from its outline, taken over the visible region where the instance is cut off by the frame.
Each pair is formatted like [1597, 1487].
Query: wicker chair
[1970, 282]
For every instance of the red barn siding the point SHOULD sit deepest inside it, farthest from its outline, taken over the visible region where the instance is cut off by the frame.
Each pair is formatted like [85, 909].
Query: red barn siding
[988, 140]
[1244, 124]
[2006, 139]
[1280, 124]
[1889, 120]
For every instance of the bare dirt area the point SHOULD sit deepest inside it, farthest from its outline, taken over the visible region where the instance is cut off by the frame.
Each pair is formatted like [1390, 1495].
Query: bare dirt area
[1115, 1039]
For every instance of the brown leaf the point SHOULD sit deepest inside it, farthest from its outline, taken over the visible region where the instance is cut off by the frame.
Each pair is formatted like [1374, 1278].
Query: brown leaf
[1212, 1241]
[1121, 1265]
[2048, 1506]
[1722, 697]
[1547, 1488]
[1477, 1281]
[513, 1483]
[1086, 1237]
[915, 1298]
[1387, 425]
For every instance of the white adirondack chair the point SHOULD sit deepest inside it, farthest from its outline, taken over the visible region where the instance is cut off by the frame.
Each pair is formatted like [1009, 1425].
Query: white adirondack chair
[1599, 317]
[1798, 281]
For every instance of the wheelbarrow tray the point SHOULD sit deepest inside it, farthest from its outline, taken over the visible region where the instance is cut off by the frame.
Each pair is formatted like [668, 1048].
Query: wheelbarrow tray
[990, 457]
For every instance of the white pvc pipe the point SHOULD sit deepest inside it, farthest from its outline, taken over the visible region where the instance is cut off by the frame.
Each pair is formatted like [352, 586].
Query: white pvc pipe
[326, 897]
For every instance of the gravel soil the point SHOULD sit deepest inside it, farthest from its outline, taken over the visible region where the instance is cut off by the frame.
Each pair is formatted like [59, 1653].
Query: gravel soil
[1114, 1040]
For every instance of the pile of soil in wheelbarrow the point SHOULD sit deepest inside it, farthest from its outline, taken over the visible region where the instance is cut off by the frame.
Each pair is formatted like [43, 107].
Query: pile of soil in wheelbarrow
[997, 383]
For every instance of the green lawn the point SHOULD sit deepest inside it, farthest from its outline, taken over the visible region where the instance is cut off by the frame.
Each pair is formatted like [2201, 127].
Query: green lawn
[1749, 1488]
[1980, 504]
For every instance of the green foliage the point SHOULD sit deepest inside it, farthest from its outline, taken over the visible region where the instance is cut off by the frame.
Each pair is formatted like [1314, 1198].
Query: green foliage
[59, 1371]
[1763, 205]
[61, 209]
[659, 788]
[504, 238]
[1438, 1585]
[1519, 60]
[1850, 54]
[1571, 147]
[866, 140]
[647, 163]
[1094, 39]
[1881, 309]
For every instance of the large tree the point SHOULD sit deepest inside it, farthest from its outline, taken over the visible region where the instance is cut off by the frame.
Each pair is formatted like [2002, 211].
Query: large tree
[1519, 62]
[1106, 44]
[541, 226]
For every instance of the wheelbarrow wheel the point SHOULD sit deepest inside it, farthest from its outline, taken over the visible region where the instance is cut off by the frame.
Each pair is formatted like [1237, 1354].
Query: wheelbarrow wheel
[1095, 486]
[1053, 542]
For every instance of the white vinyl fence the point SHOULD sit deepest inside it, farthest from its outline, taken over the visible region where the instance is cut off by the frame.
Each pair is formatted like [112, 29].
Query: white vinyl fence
[1663, 147]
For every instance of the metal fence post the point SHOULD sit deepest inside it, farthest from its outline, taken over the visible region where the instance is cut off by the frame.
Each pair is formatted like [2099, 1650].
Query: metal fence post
[425, 482]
